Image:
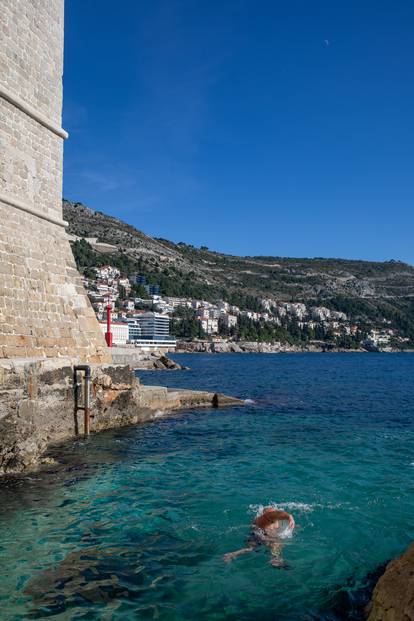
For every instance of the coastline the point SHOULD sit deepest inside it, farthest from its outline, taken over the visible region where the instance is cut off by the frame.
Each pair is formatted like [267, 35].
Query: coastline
[38, 405]
[393, 595]
[255, 347]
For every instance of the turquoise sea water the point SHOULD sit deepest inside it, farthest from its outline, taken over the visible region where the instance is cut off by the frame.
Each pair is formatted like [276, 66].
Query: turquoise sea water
[133, 524]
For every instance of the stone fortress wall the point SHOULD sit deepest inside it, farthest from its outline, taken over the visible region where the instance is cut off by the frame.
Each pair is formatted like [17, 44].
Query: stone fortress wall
[44, 311]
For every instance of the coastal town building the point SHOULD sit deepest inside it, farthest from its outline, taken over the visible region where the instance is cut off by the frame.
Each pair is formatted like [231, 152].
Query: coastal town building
[221, 317]
[209, 326]
[298, 309]
[134, 329]
[151, 331]
[154, 325]
[177, 302]
[119, 329]
[230, 321]
[125, 283]
[223, 307]
[107, 272]
[148, 331]
[129, 305]
[378, 338]
[320, 313]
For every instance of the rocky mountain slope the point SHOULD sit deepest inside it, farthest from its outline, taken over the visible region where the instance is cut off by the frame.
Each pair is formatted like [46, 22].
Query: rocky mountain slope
[356, 287]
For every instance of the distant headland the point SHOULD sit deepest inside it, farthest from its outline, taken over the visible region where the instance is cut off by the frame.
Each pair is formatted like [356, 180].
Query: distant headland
[282, 304]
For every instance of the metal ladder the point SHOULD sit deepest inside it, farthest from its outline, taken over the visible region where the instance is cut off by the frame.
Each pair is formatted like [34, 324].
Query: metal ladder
[82, 404]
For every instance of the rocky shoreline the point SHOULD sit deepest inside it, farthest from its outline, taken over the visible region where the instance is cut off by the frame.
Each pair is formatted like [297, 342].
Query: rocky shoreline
[255, 347]
[144, 361]
[37, 405]
[393, 596]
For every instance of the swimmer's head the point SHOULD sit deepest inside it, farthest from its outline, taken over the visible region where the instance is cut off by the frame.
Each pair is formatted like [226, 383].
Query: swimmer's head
[268, 516]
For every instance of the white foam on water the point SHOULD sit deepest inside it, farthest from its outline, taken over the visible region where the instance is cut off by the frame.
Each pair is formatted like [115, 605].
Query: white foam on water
[297, 507]
[249, 401]
[302, 507]
[287, 506]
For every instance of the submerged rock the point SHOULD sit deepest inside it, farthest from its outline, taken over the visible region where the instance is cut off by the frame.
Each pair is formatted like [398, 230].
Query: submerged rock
[83, 575]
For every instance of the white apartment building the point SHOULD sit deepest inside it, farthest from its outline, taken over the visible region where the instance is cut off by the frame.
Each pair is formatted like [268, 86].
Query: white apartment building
[129, 305]
[297, 309]
[268, 303]
[100, 303]
[251, 315]
[120, 331]
[320, 313]
[165, 308]
[124, 282]
[107, 271]
[228, 320]
[211, 312]
[223, 306]
[210, 326]
[176, 302]
[377, 338]
[103, 289]
[143, 301]
[281, 311]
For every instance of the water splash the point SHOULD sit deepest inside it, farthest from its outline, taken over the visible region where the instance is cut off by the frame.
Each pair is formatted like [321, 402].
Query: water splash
[300, 507]
[284, 531]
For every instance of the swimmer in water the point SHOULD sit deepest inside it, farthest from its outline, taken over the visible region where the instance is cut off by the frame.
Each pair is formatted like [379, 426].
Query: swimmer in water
[264, 530]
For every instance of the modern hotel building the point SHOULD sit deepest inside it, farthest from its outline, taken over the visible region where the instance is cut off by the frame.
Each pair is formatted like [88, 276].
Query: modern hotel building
[151, 331]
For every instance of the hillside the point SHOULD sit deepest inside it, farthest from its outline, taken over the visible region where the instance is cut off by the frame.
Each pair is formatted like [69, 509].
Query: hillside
[373, 290]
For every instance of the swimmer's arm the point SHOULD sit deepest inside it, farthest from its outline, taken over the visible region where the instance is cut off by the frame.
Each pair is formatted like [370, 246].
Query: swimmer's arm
[230, 556]
[284, 515]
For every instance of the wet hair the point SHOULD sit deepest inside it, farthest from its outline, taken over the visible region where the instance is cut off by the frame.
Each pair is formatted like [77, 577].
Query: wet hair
[267, 517]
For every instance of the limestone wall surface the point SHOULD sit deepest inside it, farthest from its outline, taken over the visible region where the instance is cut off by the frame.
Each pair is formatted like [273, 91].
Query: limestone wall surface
[44, 310]
[31, 56]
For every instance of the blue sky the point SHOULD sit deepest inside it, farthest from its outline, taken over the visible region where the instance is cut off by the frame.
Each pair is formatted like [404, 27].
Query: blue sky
[249, 126]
